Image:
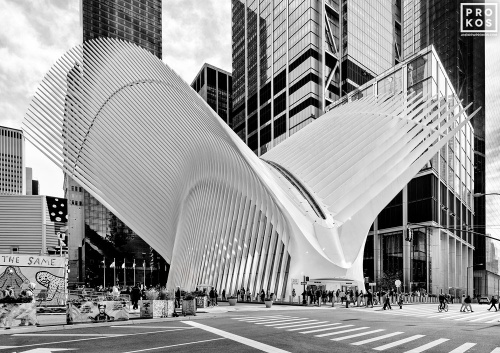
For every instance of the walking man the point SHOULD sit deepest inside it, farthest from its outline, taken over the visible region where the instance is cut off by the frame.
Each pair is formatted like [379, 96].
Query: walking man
[493, 303]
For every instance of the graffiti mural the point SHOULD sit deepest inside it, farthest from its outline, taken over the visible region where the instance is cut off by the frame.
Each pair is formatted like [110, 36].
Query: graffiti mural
[47, 272]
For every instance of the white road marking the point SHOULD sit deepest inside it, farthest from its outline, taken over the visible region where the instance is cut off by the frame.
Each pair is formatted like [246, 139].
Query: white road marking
[175, 345]
[303, 328]
[339, 332]
[65, 334]
[496, 350]
[268, 319]
[163, 327]
[397, 343]
[376, 338]
[463, 348]
[326, 329]
[356, 335]
[91, 338]
[274, 321]
[428, 345]
[257, 317]
[243, 340]
[303, 324]
[284, 322]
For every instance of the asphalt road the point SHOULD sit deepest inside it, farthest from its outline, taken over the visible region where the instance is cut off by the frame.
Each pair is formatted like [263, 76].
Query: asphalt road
[416, 328]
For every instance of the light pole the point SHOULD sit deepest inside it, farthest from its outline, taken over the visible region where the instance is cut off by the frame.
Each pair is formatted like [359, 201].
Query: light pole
[471, 266]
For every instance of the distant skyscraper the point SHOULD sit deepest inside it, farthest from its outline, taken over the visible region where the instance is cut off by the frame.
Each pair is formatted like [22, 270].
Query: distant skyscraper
[12, 171]
[139, 22]
[292, 59]
[136, 21]
[437, 22]
[214, 85]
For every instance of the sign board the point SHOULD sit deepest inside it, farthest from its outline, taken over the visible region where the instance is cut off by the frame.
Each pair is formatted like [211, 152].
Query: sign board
[48, 273]
[303, 283]
[295, 281]
[372, 284]
[397, 283]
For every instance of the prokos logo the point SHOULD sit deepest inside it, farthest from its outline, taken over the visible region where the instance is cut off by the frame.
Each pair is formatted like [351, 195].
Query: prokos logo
[478, 18]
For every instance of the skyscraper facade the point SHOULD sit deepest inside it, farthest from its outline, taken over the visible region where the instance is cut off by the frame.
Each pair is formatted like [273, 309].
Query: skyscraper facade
[437, 22]
[215, 86]
[94, 231]
[136, 21]
[12, 172]
[291, 59]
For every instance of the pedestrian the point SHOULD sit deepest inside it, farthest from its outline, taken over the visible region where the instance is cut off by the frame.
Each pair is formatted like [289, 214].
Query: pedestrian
[391, 294]
[249, 295]
[310, 295]
[223, 294]
[467, 302]
[369, 298]
[178, 297]
[493, 303]
[400, 301]
[387, 300]
[135, 295]
[337, 294]
[318, 295]
[342, 297]
[330, 296]
[242, 292]
[463, 307]
[262, 295]
[216, 295]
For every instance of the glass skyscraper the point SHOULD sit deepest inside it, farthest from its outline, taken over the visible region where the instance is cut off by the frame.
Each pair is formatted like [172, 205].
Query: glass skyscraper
[95, 232]
[136, 21]
[437, 22]
[11, 161]
[214, 85]
[291, 59]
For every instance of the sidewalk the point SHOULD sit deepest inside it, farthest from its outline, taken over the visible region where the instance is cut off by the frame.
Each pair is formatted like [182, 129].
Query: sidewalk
[52, 322]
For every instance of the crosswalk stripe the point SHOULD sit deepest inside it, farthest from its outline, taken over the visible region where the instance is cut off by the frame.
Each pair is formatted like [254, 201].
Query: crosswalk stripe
[309, 324]
[259, 317]
[279, 320]
[480, 317]
[339, 332]
[376, 338]
[303, 328]
[326, 329]
[496, 350]
[464, 347]
[286, 323]
[397, 343]
[428, 345]
[269, 319]
[356, 335]
[279, 325]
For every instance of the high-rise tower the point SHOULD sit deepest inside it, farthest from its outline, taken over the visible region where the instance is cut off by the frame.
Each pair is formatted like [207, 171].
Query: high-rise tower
[292, 59]
[12, 171]
[89, 222]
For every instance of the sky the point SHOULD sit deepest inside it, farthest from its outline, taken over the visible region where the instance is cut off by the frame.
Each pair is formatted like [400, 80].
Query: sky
[35, 33]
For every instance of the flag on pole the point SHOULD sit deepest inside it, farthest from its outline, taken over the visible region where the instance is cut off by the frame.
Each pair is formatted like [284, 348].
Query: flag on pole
[112, 265]
[123, 265]
[133, 265]
[144, 264]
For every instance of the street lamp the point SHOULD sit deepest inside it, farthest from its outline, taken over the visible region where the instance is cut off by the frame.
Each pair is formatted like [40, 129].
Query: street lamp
[468, 277]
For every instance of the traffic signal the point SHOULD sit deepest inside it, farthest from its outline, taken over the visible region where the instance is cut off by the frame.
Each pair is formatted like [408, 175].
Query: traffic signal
[307, 279]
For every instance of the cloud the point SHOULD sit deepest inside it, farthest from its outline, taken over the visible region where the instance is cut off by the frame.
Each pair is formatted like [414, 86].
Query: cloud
[34, 35]
[195, 32]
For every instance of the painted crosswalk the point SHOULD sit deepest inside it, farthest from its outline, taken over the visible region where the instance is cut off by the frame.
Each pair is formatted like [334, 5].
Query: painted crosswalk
[480, 315]
[373, 338]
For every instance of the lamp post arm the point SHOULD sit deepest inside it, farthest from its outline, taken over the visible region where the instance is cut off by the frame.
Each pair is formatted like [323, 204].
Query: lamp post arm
[450, 228]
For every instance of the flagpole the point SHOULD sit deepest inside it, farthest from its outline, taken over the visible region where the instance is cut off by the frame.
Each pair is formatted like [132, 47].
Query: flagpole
[144, 268]
[114, 270]
[104, 268]
[134, 272]
[124, 271]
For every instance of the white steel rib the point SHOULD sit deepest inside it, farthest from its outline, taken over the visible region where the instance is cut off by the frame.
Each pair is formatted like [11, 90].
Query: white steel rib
[140, 140]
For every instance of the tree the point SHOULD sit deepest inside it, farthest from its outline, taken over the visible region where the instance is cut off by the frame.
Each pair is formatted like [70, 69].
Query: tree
[388, 279]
